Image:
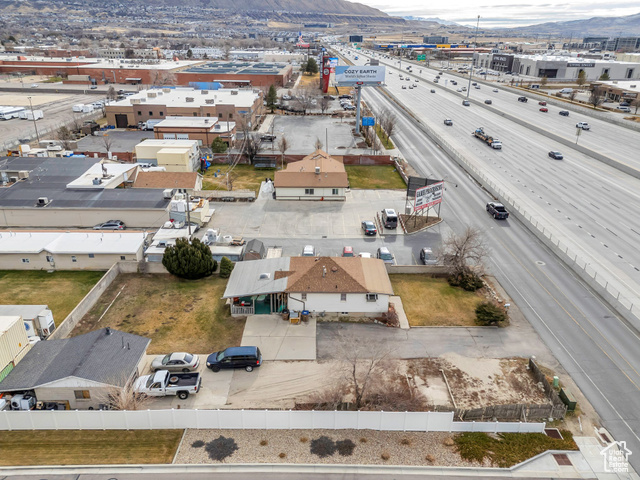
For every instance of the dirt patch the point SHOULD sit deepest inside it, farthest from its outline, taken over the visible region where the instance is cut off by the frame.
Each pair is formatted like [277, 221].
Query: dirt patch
[415, 223]
[476, 382]
[178, 315]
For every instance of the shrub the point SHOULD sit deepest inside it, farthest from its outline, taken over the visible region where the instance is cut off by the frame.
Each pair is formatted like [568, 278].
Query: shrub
[405, 441]
[198, 444]
[282, 455]
[226, 267]
[448, 442]
[385, 456]
[430, 458]
[188, 260]
[345, 447]
[221, 448]
[467, 281]
[488, 313]
[218, 146]
[304, 439]
[363, 439]
[264, 443]
[323, 447]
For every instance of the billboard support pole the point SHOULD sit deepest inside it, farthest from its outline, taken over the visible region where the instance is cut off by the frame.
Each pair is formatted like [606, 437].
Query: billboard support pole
[358, 92]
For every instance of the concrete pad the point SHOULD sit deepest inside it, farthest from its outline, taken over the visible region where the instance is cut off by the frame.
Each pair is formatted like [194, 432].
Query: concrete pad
[280, 340]
[402, 316]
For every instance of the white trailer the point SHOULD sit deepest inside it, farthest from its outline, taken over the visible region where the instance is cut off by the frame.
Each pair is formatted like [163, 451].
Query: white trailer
[78, 108]
[7, 113]
[31, 115]
[87, 108]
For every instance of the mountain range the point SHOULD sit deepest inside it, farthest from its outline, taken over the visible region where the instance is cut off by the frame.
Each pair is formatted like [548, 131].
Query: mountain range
[602, 26]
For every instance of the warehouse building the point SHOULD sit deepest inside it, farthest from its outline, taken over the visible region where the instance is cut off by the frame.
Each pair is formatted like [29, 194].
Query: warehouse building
[233, 105]
[173, 155]
[202, 129]
[262, 74]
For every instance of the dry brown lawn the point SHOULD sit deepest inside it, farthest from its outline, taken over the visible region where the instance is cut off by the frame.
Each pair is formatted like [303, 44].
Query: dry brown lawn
[178, 315]
[242, 177]
[309, 80]
[88, 447]
[433, 302]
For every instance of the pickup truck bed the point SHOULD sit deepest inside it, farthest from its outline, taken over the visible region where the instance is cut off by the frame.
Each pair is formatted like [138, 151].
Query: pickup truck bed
[183, 379]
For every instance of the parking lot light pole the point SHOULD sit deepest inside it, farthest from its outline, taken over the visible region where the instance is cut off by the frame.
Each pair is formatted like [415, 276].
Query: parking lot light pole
[475, 40]
[35, 124]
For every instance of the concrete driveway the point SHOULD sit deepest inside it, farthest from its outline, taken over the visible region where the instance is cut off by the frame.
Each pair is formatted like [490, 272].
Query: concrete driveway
[280, 340]
[213, 392]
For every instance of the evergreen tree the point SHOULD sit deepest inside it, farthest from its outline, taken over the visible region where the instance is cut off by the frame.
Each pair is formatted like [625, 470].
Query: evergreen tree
[226, 267]
[312, 66]
[189, 260]
[218, 145]
[189, 53]
[272, 98]
[490, 314]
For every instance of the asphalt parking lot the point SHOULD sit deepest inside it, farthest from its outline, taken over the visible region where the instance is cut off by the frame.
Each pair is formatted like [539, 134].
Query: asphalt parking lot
[329, 226]
[303, 131]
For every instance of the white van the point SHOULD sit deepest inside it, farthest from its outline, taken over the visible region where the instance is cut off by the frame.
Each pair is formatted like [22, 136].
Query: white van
[87, 108]
[78, 108]
[566, 90]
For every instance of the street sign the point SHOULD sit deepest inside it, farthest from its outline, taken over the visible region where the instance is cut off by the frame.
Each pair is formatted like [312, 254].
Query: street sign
[368, 121]
[421, 57]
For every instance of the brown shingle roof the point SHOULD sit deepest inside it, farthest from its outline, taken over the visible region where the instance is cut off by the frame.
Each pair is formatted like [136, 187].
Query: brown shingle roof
[338, 274]
[166, 180]
[303, 173]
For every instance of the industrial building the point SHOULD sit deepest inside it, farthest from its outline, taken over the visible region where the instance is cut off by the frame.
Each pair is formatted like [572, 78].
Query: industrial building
[254, 74]
[202, 129]
[233, 105]
[173, 155]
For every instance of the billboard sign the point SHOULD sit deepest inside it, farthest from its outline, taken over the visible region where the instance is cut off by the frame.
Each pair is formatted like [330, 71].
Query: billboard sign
[429, 196]
[581, 64]
[333, 63]
[352, 75]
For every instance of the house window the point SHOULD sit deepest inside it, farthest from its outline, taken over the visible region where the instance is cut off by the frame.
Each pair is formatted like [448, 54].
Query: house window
[25, 260]
[195, 114]
[150, 114]
[231, 115]
[304, 296]
[162, 114]
[82, 394]
[50, 258]
[334, 191]
[122, 257]
[372, 297]
[140, 112]
[308, 191]
[343, 297]
[73, 258]
[208, 114]
[220, 115]
[91, 255]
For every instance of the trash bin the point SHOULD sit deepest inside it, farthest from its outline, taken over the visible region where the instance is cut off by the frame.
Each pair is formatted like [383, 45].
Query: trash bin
[304, 315]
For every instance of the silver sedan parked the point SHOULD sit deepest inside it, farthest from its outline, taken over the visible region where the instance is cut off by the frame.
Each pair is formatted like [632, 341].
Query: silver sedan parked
[176, 362]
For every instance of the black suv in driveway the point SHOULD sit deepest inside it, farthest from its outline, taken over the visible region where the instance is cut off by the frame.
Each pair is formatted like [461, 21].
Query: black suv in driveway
[235, 357]
[369, 227]
[497, 210]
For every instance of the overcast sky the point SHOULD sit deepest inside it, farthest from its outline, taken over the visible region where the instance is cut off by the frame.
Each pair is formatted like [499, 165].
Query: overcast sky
[505, 13]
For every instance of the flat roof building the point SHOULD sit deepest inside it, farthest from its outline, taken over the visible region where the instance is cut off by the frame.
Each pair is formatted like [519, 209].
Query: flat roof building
[261, 74]
[202, 129]
[230, 104]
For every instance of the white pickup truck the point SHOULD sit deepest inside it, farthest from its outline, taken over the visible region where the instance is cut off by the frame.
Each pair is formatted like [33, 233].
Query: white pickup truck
[163, 383]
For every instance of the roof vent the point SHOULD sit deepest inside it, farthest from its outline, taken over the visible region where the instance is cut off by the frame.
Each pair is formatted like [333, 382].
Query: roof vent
[209, 101]
[204, 92]
[265, 276]
[107, 331]
[188, 99]
[334, 269]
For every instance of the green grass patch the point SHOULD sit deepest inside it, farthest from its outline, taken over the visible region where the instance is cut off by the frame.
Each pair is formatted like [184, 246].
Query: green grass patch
[53, 80]
[368, 177]
[88, 447]
[243, 177]
[178, 315]
[508, 449]
[62, 291]
[433, 302]
[386, 141]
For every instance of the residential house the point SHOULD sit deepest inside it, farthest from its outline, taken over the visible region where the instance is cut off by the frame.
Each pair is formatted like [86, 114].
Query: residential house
[55, 250]
[329, 285]
[78, 372]
[318, 176]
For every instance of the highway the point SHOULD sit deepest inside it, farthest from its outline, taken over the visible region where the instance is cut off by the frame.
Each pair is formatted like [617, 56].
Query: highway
[598, 349]
[590, 207]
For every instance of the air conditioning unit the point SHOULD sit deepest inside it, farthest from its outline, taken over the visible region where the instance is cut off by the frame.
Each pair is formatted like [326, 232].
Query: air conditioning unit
[151, 94]
[42, 201]
[188, 99]
[23, 174]
[13, 179]
[204, 92]
[179, 196]
[209, 101]
[167, 193]
[234, 92]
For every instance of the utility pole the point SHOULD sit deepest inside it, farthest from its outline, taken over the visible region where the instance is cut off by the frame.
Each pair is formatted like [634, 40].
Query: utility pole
[35, 124]
[473, 56]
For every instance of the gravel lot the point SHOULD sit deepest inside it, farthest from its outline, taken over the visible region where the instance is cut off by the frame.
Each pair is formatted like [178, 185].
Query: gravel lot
[289, 442]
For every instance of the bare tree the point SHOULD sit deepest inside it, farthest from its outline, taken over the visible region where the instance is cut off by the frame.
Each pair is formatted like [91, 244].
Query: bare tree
[65, 136]
[305, 98]
[111, 93]
[116, 397]
[596, 97]
[283, 146]
[635, 103]
[324, 104]
[251, 146]
[108, 143]
[572, 95]
[464, 254]
[387, 121]
[318, 145]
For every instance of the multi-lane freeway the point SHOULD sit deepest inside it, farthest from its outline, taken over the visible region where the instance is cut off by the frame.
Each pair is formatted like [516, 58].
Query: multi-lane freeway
[590, 204]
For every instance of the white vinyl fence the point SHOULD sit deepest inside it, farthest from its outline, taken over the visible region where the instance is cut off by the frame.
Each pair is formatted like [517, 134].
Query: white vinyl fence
[251, 419]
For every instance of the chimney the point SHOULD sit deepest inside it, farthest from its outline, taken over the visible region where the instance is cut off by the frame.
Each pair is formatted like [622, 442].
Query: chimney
[108, 331]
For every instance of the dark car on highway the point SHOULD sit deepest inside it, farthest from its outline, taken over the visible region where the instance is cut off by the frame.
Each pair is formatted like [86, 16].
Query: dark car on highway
[523, 99]
[497, 210]
[556, 155]
[369, 228]
[564, 113]
[448, 122]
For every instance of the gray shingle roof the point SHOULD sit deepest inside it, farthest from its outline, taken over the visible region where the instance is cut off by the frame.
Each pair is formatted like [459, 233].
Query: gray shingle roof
[94, 356]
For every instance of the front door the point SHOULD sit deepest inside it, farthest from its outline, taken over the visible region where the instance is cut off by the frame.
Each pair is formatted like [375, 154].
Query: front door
[121, 121]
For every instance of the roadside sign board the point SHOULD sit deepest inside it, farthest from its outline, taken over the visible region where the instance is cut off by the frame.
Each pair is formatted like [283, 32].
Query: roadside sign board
[429, 196]
[359, 75]
[421, 57]
[368, 121]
